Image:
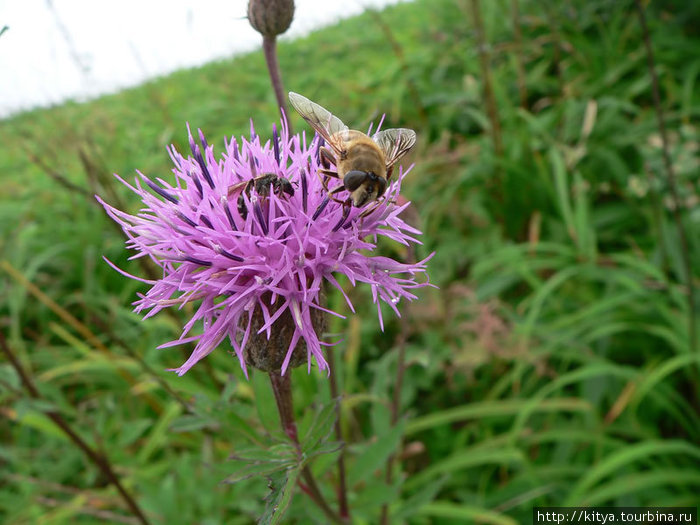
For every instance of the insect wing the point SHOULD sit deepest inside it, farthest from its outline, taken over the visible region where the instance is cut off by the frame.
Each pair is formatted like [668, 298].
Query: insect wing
[395, 143]
[236, 187]
[323, 121]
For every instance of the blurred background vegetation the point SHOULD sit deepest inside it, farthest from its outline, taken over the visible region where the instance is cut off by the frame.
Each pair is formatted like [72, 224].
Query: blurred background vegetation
[557, 363]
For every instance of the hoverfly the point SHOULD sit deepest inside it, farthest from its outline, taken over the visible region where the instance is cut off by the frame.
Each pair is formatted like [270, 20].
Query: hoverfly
[364, 164]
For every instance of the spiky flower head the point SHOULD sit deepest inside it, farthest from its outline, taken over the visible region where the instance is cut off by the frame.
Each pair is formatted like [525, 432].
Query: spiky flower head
[251, 237]
[270, 17]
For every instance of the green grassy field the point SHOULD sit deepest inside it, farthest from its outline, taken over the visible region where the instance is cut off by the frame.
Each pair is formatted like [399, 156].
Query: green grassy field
[557, 362]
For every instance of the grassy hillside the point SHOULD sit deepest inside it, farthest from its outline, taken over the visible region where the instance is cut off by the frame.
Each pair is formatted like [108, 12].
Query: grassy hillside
[556, 364]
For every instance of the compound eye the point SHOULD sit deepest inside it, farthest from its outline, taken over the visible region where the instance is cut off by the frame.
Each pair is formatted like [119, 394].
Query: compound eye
[354, 179]
[381, 186]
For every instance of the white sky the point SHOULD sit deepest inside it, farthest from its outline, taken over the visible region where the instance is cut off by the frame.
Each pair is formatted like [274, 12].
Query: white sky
[59, 49]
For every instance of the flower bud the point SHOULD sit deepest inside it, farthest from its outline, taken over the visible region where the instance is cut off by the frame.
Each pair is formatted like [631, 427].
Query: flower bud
[270, 17]
[269, 354]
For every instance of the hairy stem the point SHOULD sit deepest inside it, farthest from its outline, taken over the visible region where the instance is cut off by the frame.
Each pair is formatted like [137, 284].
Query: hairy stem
[671, 178]
[273, 67]
[282, 389]
[96, 457]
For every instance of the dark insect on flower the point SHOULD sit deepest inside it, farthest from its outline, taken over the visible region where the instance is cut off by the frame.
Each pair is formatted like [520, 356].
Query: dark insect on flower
[261, 185]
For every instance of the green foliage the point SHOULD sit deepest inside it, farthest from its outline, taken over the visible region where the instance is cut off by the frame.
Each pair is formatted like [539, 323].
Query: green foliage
[552, 366]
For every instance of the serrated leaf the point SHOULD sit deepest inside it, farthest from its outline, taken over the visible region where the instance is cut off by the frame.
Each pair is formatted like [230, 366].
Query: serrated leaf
[329, 447]
[256, 469]
[274, 453]
[281, 487]
[320, 429]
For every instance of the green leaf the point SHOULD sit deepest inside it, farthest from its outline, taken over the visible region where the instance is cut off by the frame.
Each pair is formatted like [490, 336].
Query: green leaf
[561, 184]
[375, 494]
[329, 447]
[281, 489]
[465, 459]
[424, 495]
[375, 455]
[484, 409]
[675, 481]
[466, 513]
[618, 460]
[247, 470]
[159, 434]
[280, 452]
[41, 422]
[655, 376]
[320, 429]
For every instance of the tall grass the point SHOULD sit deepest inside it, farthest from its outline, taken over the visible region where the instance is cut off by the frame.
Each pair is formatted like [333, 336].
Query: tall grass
[553, 366]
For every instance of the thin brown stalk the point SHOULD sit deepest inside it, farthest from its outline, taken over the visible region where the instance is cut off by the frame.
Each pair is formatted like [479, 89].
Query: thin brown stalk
[403, 63]
[519, 59]
[98, 177]
[398, 386]
[94, 175]
[273, 67]
[489, 96]
[79, 327]
[104, 515]
[670, 178]
[106, 330]
[55, 175]
[101, 461]
[556, 47]
[335, 395]
[282, 389]
[396, 405]
[556, 62]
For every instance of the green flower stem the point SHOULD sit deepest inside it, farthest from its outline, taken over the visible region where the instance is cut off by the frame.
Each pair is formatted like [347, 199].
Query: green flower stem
[282, 389]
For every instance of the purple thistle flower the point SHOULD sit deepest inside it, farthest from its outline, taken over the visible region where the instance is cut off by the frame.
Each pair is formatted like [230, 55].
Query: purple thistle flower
[256, 254]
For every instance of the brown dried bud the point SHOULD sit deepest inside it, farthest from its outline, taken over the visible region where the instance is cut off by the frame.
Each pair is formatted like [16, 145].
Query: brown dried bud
[270, 17]
[268, 354]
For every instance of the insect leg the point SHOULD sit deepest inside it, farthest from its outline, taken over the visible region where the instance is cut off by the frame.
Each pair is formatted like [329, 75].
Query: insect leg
[326, 157]
[323, 174]
[389, 172]
[338, 189]
[369, 209]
